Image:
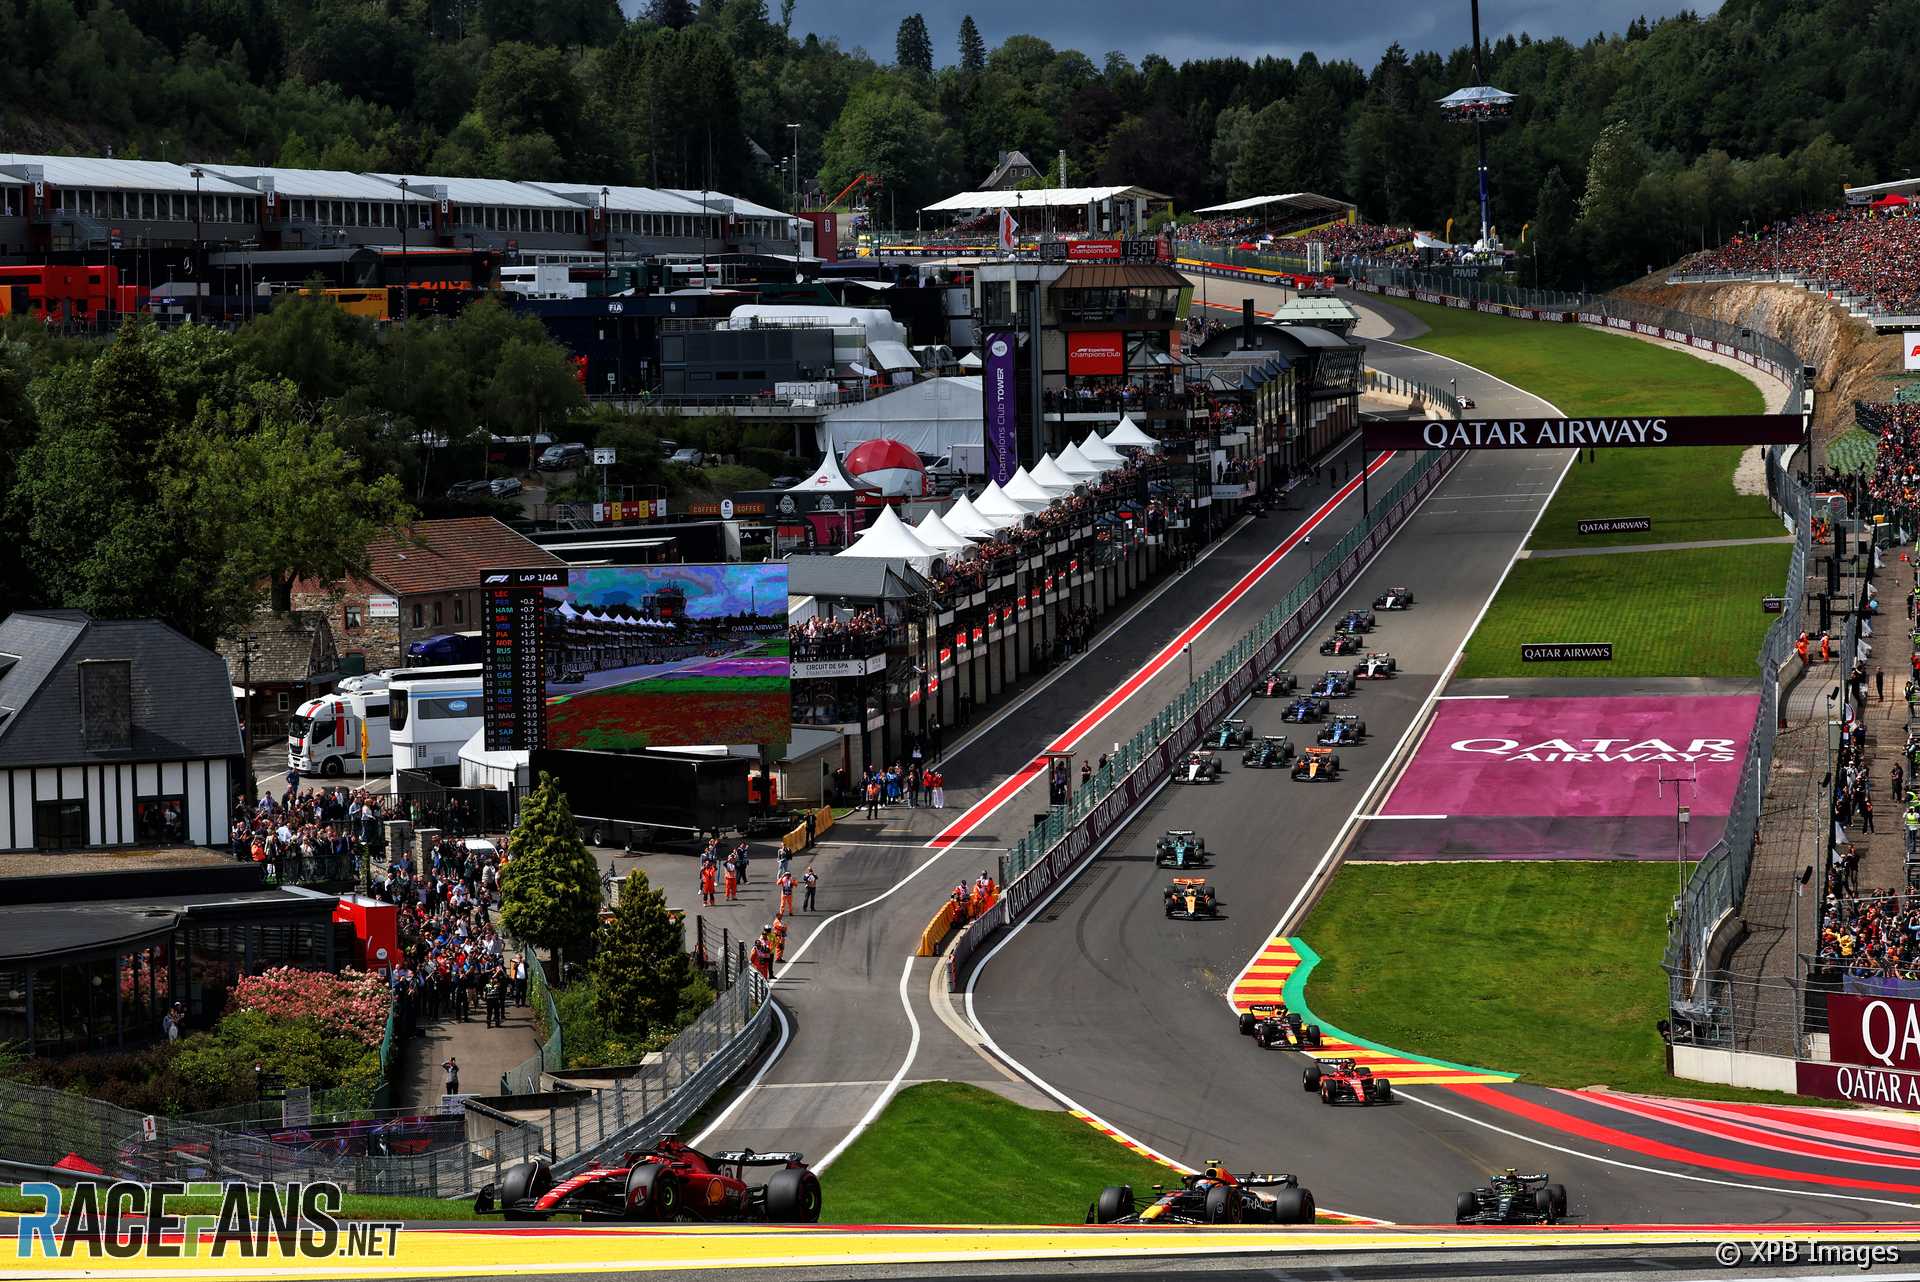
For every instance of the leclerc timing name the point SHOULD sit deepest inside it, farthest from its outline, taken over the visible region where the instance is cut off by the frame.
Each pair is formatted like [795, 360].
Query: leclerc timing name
[1547, 433]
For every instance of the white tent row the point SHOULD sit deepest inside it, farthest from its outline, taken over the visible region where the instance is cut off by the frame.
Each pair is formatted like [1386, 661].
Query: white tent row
[1097, 451]
[893, 539]
[934, 533]
[1024, 490]
[1128, 433]
[1054, 477]
[963, 519]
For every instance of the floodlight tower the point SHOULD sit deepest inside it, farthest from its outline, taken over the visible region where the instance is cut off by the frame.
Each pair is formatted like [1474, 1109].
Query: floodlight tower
[1479, 105]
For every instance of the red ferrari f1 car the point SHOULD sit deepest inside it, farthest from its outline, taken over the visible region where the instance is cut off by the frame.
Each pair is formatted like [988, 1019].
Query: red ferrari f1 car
[670, 1181]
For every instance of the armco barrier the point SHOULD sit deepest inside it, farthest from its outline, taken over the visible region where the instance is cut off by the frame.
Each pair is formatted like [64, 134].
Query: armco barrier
[1112, 798]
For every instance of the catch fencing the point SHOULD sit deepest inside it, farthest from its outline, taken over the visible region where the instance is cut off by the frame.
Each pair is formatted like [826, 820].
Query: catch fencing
[1070, 833]
[550, 1054]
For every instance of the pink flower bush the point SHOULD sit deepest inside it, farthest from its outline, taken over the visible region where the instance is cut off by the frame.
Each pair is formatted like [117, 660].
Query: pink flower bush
[353, 1002]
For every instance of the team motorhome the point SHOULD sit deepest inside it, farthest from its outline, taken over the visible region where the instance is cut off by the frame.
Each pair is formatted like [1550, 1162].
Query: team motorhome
[324, 735]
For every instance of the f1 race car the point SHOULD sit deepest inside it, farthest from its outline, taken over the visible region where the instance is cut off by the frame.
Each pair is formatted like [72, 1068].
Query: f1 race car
[1269, 752]
[1317, 764]
[1180, 849]
[1337, 684]
[1393, 599]
[1342, 1081]
[1512, 1198]
[1191, 898]
[1356, 621]
[1275, 1025]
[1212, 1196]
[1276, 685]
[1465, 402]
[1343, 731]
[1199, 767]
[1341, 643]
[670, 1181]
[1378, 665]
[1306, 708]
[1231, 733]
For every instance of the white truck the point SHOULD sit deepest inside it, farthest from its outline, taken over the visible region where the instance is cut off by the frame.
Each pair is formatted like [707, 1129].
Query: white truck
[323, 736]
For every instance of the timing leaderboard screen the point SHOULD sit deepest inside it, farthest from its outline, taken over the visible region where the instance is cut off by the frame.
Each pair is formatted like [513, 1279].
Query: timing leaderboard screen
[639, 656]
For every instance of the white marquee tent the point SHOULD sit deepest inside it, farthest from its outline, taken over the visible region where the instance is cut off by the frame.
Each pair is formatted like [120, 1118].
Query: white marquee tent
[1054, 477]
[1074, 463]
[1023, 489]
[998, 509]
[933, 532]
[1128, 433]
[827, 479]
[890, 537]
[1097, 451]
[962, 519]
[930, 417]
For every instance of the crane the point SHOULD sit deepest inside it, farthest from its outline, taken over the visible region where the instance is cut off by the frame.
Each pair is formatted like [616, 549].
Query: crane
[867, 179]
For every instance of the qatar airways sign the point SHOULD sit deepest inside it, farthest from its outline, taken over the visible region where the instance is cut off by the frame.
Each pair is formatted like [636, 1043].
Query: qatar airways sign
[1624, 751]
[1879, 1031]
[1556, 433]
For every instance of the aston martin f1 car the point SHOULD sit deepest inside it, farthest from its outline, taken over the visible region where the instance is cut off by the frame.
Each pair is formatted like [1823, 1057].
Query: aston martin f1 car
[1180, 849]
[670, 1181]
[1377, 666]
[1343, 731]
[1276, 684]
[1231, 733]
[1191, 898]
[1306, 708]
[1342, 1081]
[1269, 752]
[1356, 621]
[1341, 643]
[1317, 765]
[1393, 599]
[1336, 684]
[1275, 1025]
[1212, 1196]
[1199, 767]
[1512, 1198]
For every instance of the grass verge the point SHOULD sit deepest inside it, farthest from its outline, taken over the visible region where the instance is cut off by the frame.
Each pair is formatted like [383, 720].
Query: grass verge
[1480, 968]
[1669, 614]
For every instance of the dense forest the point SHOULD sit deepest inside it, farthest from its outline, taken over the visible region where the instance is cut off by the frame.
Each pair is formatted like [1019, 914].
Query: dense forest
[1625, 151]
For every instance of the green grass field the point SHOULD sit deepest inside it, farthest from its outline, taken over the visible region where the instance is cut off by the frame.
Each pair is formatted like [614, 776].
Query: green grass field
[1669, 614]
[1507, 965]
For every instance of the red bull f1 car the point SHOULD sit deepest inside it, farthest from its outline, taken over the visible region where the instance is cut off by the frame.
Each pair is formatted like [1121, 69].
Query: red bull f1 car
[1317, 765]
[1306, 708]
[1275, 1025]
[1213, 1196]
[1341, 643]
[1191, 898]
[1336, 684]
[1269, 753]
[1512, 1198]
[1199, 767]
[1342, 1081]
[1276, 685]
[668, 1182]
[1377, 666]
[1343, 731]
[1393, 599]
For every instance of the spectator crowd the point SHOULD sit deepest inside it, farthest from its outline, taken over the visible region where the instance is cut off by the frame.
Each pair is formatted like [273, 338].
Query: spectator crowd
[1864, 251]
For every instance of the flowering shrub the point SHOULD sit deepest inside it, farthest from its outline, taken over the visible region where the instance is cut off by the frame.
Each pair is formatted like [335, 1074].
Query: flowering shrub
[352, 1003]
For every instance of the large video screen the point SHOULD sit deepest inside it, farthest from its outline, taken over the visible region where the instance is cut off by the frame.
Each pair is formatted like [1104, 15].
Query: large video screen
[660, 656]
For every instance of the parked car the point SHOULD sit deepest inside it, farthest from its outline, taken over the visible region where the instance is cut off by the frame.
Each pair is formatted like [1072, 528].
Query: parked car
[559, 458]
[688, 458]
[504, 487]
[785, 482]
[468, 489]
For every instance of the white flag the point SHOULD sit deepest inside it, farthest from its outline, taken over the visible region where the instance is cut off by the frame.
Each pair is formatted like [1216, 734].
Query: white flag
[1008, 228]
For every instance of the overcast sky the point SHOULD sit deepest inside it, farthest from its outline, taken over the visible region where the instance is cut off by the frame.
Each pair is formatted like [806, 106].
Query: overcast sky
[1356, 29]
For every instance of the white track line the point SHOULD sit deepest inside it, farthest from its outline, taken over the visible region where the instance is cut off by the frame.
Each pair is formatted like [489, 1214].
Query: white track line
[893, 1087]
[720, 1119]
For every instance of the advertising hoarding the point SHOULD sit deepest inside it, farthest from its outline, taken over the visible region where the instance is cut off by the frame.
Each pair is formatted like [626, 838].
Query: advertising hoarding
[1096, 352]
[1558, 433]
[1003, 446]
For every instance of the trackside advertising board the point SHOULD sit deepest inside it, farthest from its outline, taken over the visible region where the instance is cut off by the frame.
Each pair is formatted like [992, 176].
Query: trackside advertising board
[1881, 1031]
[1556, 433]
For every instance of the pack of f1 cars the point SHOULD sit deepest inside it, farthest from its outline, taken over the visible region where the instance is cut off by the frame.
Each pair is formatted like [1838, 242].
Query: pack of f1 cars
[1191, 898]
[1212, 1196]
[1341, 643]
[1180, 848]
[1276, 685]
[1307, 707]
[1199, 767]
[1378, 665]
[1275, 1025]
[1336, 684]
[670, 1181]
[1342, 1081]
[1318, 765]
[1343, 731]
[1512, 1198]
[1356, 621]
[1231, 733]
[1268, 752]
[1393, 599]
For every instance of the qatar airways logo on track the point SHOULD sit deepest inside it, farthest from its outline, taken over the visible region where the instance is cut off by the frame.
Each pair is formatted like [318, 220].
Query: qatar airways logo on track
[1602, 751]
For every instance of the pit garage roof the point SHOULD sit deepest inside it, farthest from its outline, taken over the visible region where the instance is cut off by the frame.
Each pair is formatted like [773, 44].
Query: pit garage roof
[720, 203]
[1058, 197]
[1303, 201]
[130, 175]
[623, 200]
[485, 191]
[326, 184]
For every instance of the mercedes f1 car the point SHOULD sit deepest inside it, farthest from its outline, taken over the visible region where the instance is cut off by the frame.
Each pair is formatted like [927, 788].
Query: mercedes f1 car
[1276, 684]
[1393, 599]
[1199, 767]
[1212, 1196]
[1343, 731]
[1180, 849]
[1306, 708]
[1270, 751]
[1377, 666]
[1356, 621]
[1275, 1025]
[1512, 1198]
[1231, 733]
[1342, 1081]
[670, 1181]
[1191, 898]
[1317, 765]
[1341, 643]
[1336, 684]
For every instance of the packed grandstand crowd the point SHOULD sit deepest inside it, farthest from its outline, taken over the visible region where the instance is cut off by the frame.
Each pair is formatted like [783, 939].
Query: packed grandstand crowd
[1865, 251]
[1895, 477]
[836, 638]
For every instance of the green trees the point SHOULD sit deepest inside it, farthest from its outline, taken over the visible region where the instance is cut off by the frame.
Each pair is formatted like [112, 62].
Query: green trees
[913, 46]
[550, 891]
[884, 131]
[973, 50]
[641, 968]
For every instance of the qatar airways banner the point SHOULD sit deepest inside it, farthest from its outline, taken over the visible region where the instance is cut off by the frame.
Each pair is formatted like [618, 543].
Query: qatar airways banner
[1556, 433]
[1003, 424]
[1882, 1031]
[1563, 778]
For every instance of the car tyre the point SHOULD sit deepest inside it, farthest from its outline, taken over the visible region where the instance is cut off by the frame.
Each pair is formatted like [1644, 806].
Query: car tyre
[1543, 1206]
[1313, 1035]
[598, 837]
[525, 1181]
[1310, 1077]
[333, 767]
[1293, 1206]
[1246, 1023]
[652, 1193]
[793, 1196]
[1223, 1205]
[1559, 1192]
[1465, 1207]
[1386, 1089]
[1114, 1202]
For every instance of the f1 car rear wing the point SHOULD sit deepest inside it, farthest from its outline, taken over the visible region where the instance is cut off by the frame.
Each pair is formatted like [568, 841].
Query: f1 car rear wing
[747, 1157]
[1267, 1181]
[1189, 881]
[1319, 752]
[1339, 1065]
[1262, 1008]
[1179, 832]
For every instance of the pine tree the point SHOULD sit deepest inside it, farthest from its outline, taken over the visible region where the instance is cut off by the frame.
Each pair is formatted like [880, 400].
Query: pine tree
[973, 50]
[913, 47]
[550, 891]
[671, 13]
[642, 965]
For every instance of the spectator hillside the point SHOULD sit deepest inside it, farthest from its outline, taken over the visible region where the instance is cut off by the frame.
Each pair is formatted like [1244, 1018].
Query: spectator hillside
[1869, 252]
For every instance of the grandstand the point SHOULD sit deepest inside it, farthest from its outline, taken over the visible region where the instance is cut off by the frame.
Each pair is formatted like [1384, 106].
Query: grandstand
[1287, 215]
[1866, 256]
